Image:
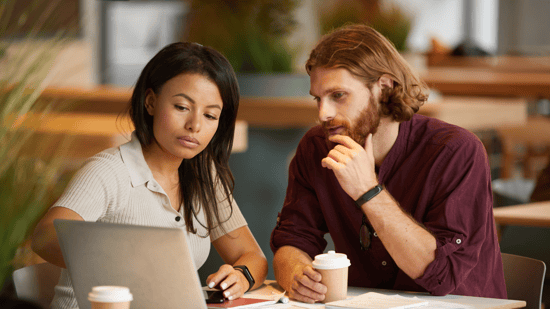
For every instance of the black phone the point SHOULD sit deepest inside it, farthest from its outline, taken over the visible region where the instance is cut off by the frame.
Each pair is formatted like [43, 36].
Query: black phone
[215, 297]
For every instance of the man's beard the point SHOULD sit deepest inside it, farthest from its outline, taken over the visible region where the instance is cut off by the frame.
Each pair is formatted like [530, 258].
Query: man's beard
[366, 123]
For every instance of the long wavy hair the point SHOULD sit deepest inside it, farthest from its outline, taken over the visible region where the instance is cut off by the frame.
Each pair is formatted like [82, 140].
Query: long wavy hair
[200, 175]
[368, 55]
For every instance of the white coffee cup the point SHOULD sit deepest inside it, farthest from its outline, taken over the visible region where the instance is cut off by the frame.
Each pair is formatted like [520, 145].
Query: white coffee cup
[333, 268]
[110, 297]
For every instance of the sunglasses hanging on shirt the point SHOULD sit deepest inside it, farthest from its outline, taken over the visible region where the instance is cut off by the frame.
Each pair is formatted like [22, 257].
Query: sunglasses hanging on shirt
[364, 234]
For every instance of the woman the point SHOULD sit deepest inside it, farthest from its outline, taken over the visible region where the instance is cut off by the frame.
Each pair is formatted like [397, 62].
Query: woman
[183, 108]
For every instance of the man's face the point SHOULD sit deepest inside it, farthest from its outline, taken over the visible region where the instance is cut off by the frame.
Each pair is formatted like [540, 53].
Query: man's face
[346, 105]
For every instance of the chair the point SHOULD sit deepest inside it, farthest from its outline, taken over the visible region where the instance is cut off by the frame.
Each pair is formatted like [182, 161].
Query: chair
[36, 283]
[533, 137]
[524, 279]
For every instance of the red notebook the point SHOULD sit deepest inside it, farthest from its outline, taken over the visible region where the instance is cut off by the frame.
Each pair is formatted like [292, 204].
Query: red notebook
[242, 302]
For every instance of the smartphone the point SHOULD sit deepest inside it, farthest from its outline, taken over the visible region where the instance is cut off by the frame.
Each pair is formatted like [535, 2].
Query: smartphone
[215, 297]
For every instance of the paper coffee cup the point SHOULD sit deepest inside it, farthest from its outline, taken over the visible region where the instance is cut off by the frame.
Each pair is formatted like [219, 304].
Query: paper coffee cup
[110, 297]
[333, 268]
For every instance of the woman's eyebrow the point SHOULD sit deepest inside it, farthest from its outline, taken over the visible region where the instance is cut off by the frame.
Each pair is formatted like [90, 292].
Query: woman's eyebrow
[188, 98]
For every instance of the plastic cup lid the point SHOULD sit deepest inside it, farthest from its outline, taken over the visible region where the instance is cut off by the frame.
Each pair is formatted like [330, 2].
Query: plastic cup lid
[331, 260]
[110, 294]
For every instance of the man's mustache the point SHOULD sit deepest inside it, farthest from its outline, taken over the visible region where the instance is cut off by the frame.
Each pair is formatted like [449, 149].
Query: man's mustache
[336, 123]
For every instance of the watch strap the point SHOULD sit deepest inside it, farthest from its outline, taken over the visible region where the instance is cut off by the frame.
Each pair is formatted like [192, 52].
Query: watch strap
[247, 275]
[367, 196]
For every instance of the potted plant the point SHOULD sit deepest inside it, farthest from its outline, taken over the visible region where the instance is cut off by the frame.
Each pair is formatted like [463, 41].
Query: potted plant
[252, 35]
[29, 173]
[390, 20]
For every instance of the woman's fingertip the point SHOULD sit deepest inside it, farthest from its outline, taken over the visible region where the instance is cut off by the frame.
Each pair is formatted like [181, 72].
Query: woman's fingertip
[211, 284]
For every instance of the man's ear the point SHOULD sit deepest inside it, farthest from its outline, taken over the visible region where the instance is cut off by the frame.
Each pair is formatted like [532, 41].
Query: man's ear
[385, 81]
[150, 99]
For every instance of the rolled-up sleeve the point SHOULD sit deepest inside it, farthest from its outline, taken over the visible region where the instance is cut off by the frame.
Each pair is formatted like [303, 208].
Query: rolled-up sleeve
[460, 218]
[300, 223]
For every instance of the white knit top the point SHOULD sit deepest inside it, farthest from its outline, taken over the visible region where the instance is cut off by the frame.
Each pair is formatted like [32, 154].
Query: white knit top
[117, 186]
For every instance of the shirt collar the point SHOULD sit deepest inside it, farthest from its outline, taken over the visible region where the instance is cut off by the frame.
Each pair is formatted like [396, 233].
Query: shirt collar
[132, 156]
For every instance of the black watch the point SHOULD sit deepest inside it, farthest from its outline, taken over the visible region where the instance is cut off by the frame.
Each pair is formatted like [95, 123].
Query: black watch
[247, 275]
[369, 195]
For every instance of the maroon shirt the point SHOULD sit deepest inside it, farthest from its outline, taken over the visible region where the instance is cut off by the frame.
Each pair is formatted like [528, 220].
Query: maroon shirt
[439, 173]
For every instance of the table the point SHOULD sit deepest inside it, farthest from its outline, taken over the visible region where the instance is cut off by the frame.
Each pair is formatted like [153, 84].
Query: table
[472, 113]
[487, 82]
[533, 135]
[506, 63]
[270, 287]
[510, 76]
[532, 214]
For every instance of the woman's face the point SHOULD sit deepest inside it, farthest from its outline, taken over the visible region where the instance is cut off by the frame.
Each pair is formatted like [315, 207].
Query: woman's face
[186, 114]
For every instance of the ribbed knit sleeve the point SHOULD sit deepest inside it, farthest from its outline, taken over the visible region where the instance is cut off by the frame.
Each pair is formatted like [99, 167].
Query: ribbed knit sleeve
[231, 217]
[98, 187]
[235, 221]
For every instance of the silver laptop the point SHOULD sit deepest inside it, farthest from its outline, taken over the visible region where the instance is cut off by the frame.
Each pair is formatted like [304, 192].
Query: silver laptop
[155, 263]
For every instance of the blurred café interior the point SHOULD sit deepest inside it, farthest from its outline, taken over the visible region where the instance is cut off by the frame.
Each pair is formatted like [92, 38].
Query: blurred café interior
[487, 63]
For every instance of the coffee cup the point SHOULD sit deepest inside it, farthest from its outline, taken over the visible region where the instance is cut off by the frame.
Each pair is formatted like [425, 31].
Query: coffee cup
[333, 268]
[110, 297]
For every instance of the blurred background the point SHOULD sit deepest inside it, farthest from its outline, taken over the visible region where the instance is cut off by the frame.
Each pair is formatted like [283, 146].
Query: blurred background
[486, 61]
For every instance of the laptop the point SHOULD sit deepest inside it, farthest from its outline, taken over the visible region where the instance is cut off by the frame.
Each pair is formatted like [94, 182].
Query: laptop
[154, 262]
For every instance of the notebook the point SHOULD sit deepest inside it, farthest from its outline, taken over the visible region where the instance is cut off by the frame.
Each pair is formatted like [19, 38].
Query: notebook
[243, 302]
[373, 300]
[155, 263]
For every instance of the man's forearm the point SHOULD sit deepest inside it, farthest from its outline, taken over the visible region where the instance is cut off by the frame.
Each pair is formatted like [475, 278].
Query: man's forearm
[411, 246]
[285, 261]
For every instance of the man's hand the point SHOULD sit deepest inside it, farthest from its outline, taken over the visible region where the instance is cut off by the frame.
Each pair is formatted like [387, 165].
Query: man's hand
[306, 285]
[352, 164]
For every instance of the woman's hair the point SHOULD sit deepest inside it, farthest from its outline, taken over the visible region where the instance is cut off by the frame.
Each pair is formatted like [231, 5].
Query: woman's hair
[368, 55]
[200, 175]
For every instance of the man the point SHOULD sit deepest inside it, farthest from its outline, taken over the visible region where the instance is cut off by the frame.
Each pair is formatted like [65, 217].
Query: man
[407, 198]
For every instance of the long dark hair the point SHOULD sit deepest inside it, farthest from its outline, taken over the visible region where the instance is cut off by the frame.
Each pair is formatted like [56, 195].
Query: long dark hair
[200, 176]
[368, 55]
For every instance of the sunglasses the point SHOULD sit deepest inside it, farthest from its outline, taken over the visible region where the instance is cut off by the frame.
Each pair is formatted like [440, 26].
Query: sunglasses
[364, 234]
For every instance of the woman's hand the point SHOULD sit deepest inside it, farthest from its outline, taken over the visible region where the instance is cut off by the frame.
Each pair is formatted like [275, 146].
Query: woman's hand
[238, 247]
[232, 281]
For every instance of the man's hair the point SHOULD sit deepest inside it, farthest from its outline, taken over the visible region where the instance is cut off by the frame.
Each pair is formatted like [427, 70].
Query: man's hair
[368, 55]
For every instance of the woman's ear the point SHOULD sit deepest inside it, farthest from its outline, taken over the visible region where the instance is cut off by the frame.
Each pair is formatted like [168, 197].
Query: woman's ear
[385, 81]
[150, 99]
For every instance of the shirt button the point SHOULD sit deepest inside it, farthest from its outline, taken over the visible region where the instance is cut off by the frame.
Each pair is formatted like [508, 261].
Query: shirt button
[375, 235]
[384, 263]
[458, 241]
[178, 218]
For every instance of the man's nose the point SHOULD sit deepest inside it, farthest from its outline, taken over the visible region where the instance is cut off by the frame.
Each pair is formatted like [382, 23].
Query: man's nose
[327, 111]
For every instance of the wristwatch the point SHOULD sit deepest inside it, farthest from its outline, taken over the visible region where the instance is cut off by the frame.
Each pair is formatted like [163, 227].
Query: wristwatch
[247, 275]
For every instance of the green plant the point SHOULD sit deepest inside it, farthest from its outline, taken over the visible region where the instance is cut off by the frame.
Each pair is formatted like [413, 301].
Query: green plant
[30, 171]
[250, 33]
[394, 24]
[390, 20]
